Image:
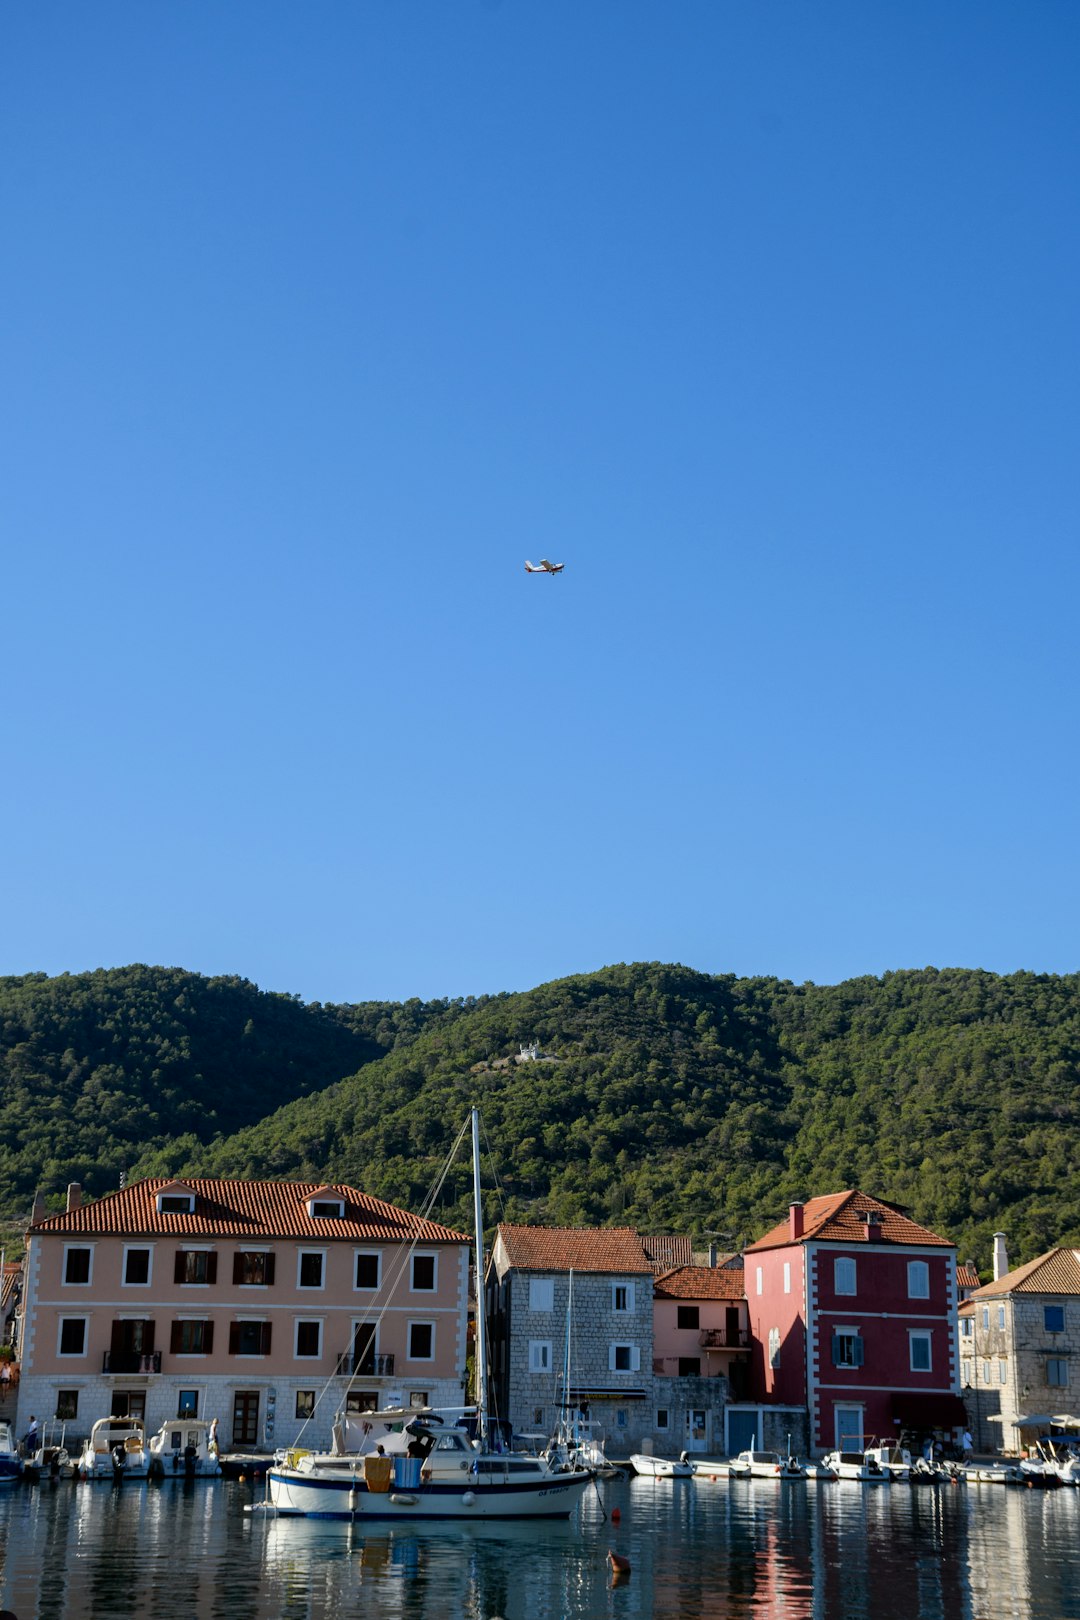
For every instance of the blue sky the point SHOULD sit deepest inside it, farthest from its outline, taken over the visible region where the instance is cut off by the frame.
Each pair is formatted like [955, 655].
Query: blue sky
[321, 319]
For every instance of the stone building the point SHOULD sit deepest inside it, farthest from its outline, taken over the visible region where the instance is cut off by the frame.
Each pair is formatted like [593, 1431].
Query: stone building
[1020, 1347]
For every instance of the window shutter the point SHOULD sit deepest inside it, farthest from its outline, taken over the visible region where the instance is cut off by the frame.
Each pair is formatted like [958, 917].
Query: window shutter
[836, 1349]
[269, 1274]
[211, 1267]
[176, 1338]
[208, 1337]
[611, 1358]
[147, 1337]
[265, 1346]
[234, 1338]
[237, 1268]
[635, 1359]
[857, 1346]
[179, 1268]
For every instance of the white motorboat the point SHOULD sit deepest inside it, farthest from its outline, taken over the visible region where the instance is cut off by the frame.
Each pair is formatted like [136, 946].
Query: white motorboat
[115, 1450]
[764, 1465]
[11, 1465]
[818, 1470]
[856, 1465]
[663, 1467]
[421, 1468]
[895, 1460]
[994, 1474]
[182, 1449]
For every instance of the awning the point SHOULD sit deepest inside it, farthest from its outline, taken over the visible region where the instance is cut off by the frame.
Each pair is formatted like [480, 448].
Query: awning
[930, 1411]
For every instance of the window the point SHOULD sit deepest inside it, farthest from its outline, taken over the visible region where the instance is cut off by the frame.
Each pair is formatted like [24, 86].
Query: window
[774, 1347]
[191, 1337]
[309, 1339]
[187, 1405]
[919, 1350]
[844, 1276]
[327, 1209]
[305, 1403]
[1003, 1372]
[662, 1421]
[539, 1355]
[309, 1271]
[129, 1403]
[624, 1358]
[67, 1404]
[176, 1203]
[966, 1366]
[1001, 1316]
[541, 1294]
[986, 1372]
[986, 1318]
[136, 1267]
[195, 1266]
[418, 1399]
[77, 1265]
[918, 1279]
[758, 1280]
[622, 1297]
[253, 1268]
[250, 1339]
[688, 1316]
[421, 1341]
[787, 1276]
[1054, 1318]
[368, 1269]
[361, 1400]
[847, 1348]
[689, 1366]
[620, 1418]
[967, 1327]
[72, 1339]
[1057, 1372]
[424, 1273]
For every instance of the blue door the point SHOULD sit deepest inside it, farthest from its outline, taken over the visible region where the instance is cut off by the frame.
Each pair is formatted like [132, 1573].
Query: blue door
[742, 1429]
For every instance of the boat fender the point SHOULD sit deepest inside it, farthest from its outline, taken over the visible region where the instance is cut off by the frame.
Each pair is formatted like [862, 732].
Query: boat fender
[469, 1499]
[616, 1515]
[619, 1564]
[403, 1499]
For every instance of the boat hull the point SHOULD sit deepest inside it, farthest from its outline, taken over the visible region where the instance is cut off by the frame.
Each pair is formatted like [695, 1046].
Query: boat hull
[301, 1495]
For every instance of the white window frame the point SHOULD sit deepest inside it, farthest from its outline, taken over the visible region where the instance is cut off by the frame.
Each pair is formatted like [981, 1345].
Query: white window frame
[339, 1212]
[918, 1272]
[843, 1261]
[320, 1322]
[635, 1357]
[848, 1331]
[541, 1289]
[967, 1327]
[419, 1321]
[165, 1193]
[539, 1355]
[787, 1276]
[424, 1254]
[921, 1336]
[68, 1249]
[310, 1288]
[367, 1254]
[774, 1347]
[628, 1289]
[72, 1355]
[137, 1248]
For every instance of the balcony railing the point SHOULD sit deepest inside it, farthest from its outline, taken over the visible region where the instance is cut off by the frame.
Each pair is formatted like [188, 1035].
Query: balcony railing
[132, 1361]
[367, 1366]
[724, 1339]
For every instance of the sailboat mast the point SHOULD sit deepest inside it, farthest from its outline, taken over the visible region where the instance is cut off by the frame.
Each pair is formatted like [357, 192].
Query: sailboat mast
[481, 1327]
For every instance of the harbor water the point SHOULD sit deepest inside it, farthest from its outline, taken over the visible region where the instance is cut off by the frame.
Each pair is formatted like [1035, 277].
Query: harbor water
[702, 1550]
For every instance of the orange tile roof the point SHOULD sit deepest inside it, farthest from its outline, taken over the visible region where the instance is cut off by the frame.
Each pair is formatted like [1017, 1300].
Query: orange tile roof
[834, 1218]
[245, 1209]
[699, 1282]
[967, 1277]
[574, 1248]
[1055, 1272]
[666, 1252]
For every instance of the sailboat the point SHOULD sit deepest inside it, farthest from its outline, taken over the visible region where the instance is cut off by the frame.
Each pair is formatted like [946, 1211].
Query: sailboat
[576, 1442]
[425, 1467]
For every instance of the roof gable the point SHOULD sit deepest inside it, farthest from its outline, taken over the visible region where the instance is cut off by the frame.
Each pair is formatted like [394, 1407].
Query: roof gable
[1055, 1272]
[835, 1218]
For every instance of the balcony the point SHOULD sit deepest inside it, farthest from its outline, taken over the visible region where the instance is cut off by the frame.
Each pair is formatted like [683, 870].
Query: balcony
[131, 1361]
[724, 1339]
[365, 1366]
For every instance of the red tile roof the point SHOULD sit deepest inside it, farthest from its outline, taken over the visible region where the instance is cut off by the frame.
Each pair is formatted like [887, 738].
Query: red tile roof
[967, 1277]
[835, 1219]
[699, 1282]
[1055, 1272]
[245, 1209]
[666, 1252]
[577, 1248]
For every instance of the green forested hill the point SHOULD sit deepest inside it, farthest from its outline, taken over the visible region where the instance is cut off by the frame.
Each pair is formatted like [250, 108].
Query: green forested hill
[96, 1068]
[679, 1100]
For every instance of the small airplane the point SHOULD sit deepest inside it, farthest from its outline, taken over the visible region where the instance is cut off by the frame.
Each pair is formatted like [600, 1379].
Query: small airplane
[544, 567]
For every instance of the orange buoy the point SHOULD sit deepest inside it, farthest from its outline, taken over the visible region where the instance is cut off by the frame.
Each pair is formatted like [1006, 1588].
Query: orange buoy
[243, 1479]
[620, 1566]
[616, 1515]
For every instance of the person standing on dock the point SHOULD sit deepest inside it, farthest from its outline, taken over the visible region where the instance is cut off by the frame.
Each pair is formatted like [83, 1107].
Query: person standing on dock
[31, 1441]
[967, 1445]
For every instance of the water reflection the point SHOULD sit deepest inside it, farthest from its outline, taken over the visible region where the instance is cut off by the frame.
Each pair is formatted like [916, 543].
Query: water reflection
[748, 1550]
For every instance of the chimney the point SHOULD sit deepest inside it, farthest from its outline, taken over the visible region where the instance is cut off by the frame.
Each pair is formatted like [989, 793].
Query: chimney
[74, 1196]
[1001, 1256]
[39, 1211]
[795, 1222]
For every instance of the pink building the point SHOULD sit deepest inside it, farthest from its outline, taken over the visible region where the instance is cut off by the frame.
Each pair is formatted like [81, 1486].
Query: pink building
[265, 1304]
[853, 1315]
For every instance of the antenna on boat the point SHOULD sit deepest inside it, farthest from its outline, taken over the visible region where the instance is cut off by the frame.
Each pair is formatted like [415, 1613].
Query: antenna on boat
[481, 1328]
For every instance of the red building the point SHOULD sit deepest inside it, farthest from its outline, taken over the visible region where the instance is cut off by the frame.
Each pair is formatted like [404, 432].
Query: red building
[853, 1315]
